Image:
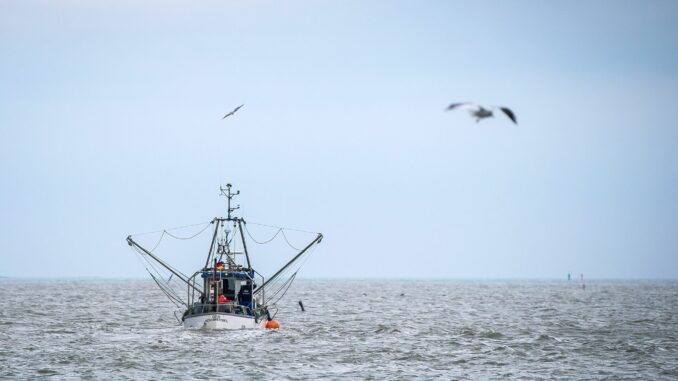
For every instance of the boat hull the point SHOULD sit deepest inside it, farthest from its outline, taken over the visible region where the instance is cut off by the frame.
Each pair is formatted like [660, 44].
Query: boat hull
[220, 320]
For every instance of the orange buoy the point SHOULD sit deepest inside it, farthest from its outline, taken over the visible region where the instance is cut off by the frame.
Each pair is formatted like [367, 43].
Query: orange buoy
[272, 324]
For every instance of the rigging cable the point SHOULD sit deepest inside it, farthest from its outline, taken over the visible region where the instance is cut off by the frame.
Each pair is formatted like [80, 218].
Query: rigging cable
[276, 284]
[166, 289]
[167, 231]
[160, 274]
[170, 293]
[287, 287]
[185, 238]
[282, 227]
[170, 229]
[280, 230]
[288, 242]
[262, 242]
[158, 243]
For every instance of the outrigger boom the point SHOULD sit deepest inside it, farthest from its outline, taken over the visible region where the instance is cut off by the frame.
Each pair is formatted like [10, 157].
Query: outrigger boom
[288, 264]
[174, 271]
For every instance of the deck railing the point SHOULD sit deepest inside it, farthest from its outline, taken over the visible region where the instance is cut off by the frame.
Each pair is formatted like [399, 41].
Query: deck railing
[229, 308]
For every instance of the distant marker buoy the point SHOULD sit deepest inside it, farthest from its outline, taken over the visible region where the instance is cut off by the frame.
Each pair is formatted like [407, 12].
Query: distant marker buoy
[272, 324]
[583, 285]
[302, 306]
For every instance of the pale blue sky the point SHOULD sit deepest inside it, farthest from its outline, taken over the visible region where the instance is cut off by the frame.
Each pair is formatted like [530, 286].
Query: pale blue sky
[110, 124]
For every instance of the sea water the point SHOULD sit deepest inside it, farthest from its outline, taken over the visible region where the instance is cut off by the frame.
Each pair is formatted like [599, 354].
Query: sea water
[351, 329]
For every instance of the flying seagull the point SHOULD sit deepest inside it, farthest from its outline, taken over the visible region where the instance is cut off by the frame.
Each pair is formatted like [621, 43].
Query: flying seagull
[233, 112]
[479, 112]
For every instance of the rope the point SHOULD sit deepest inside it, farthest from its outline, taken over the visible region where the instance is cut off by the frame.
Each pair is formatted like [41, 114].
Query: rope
[142, 261]
[158, 243]
[305, 258]
[168, 291]
[169, 229]
[166, 231]
[280, 230]
[263, 242]
[277, 291]
[281, 227]
[289, 284]
[300, 263]
[288, 242]
[276, 284]
[161, 274]
[185, 238]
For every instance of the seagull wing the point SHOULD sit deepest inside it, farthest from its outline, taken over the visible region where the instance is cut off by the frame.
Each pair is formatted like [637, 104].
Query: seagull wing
[233, 112]
[465, 105]
[509, 113]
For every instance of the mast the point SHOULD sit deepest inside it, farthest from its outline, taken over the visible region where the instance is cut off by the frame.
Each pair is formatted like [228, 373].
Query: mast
[237, 222]
[227, 192]
[220, 221]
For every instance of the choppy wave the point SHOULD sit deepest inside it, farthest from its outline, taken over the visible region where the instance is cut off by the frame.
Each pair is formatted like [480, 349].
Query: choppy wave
[351, 329]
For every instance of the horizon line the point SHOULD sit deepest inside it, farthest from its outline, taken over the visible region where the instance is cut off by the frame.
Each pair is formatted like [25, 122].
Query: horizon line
[386, 278]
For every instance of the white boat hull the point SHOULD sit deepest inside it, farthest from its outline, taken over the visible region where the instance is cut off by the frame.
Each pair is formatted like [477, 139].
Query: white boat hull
[218, 320]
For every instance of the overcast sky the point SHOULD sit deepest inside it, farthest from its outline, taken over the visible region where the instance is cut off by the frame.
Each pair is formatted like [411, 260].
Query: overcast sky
[110, 124]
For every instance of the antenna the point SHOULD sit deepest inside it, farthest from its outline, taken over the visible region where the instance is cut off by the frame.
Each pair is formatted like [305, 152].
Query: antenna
[227, 192]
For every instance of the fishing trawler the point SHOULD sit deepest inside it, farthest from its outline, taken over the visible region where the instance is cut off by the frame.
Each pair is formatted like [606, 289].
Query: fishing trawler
[227, 292]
